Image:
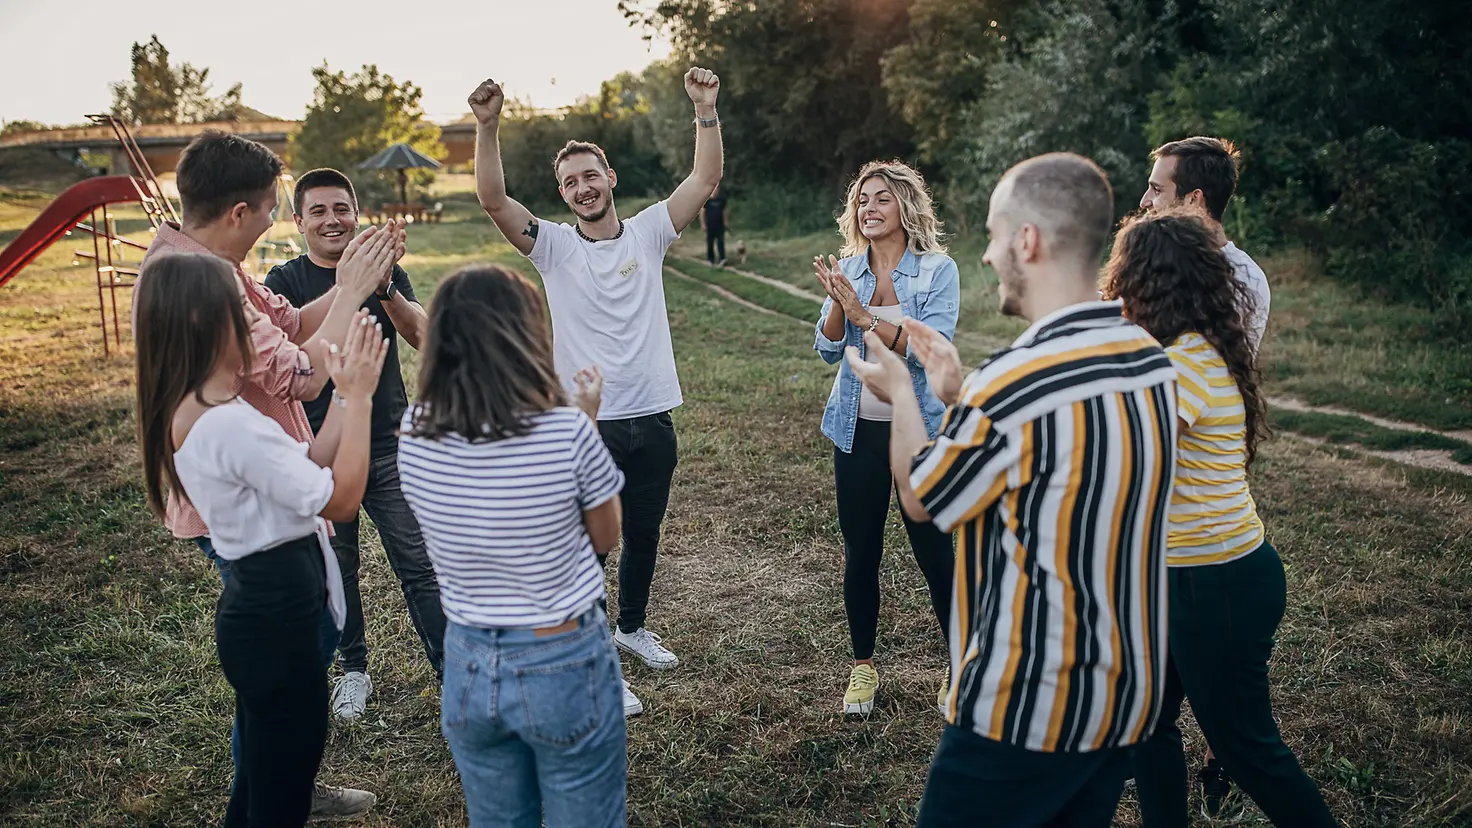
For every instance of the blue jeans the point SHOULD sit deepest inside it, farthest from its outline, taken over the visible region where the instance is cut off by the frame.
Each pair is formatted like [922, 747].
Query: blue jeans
[536, 725]
[330, 635]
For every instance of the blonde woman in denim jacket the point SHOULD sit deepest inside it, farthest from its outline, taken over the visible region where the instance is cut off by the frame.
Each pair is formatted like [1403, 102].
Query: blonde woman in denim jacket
[894, 269]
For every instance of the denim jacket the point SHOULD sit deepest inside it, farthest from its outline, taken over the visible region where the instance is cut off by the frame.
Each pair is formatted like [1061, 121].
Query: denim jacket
[929, 289]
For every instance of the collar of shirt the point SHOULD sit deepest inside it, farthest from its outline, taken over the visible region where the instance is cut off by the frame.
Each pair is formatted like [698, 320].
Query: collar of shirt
[1072, 313]
[172, 238]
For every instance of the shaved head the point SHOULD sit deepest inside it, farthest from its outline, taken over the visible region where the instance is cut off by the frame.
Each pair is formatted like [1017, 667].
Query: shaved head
[1067, 197]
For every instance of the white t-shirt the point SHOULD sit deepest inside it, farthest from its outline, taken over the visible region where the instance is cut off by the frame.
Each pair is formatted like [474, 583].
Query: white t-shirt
[255, 487]
[1249, 274]
[608, 309]
[503, 519]
[870, 406]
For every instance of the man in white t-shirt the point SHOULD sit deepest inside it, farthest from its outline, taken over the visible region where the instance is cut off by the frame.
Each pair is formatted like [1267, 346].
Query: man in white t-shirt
[604, 283]
[1202, 172]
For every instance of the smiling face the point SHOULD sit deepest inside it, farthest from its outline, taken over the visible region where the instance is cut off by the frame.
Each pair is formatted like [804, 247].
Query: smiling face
[879, 210]
[586, 185]
[328, 221]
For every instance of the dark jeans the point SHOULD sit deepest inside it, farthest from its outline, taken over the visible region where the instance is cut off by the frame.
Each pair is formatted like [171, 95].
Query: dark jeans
[1222, 621]
[327, 637]
[976, 781]
[864, 485]
[646, 451]
[267, 627]
[404, 547]
[715, 236]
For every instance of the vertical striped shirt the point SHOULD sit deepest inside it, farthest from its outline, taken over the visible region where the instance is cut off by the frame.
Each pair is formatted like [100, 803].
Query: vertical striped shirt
[1213, 518]
[503, 519]
[1054, 468]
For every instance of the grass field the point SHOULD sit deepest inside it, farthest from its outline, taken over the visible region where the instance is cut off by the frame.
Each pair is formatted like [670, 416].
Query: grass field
[113, 711]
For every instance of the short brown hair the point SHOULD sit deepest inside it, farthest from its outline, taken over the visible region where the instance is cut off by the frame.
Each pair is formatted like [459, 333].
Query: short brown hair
[219, 170]
[188, 303]
[487, 359]
[1069, 193]
[1205, 164]
[576, 148]
[317, 179]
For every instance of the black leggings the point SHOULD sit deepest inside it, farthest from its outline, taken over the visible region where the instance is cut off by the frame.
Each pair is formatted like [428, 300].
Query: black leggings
[864, 484]
[268, 636]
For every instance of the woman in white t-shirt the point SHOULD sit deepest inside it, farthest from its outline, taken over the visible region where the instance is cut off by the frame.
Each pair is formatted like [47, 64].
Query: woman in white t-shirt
[518, 500]
[264, 497]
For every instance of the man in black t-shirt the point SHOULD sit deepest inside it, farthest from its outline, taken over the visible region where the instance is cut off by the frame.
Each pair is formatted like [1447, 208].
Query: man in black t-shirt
[713, 219]
[326, 211]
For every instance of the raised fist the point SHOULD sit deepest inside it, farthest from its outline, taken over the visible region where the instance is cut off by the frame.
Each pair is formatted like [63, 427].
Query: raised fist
[702, 85]
[485, 102]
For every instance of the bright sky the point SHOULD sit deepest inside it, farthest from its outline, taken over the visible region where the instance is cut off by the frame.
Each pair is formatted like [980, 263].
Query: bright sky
[58, 58]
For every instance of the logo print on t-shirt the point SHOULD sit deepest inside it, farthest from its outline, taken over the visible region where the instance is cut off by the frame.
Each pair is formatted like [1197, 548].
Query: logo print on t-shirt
[629, 267]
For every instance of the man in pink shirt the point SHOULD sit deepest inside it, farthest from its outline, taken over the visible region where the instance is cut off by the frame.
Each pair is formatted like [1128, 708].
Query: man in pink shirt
[227, 186]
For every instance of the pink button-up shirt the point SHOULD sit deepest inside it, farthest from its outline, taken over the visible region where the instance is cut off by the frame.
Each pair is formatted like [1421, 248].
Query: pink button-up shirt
[280, 372]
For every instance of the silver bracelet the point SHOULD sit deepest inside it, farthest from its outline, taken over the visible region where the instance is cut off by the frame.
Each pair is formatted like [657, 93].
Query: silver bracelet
[339, 400]
[873, 323]
[708, 122]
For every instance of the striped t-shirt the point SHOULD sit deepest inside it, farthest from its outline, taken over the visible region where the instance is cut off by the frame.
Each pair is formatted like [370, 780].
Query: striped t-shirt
[503, 519]
[1054, 469]
[1212, 516]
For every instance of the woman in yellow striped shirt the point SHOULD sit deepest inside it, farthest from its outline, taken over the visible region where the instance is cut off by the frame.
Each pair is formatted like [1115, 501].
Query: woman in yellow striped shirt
[1226, 584]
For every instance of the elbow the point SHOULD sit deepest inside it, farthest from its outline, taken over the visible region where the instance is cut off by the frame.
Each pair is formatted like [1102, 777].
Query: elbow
[911, 505]
[829, 356]
[342, 512]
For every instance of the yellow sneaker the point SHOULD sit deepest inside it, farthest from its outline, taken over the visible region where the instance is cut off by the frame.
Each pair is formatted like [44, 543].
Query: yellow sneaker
[863, 682]
[943, 692]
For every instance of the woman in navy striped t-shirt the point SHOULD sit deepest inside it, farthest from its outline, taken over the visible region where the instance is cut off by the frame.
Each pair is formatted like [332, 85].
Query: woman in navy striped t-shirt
[518, 501]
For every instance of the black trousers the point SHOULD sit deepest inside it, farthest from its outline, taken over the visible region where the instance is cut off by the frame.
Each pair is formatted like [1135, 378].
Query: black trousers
[403, 544]
[715, 236]
[646, 451]
[1222, 621]
[864, 486]
[976, 781]
[268, 636]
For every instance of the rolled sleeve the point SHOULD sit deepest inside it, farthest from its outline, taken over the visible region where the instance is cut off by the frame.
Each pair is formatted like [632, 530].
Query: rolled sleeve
[830, 350]
[943, 305]
[278, 366]
[964, 470]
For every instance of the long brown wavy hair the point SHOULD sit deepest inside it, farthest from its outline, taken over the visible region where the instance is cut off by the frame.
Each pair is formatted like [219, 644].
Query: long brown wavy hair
[487, 359]
[189, 308]
[1174, 280]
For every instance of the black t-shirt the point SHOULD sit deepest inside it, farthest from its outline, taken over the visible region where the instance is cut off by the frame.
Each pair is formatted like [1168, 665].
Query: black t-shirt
[301, 281]
[715, 212]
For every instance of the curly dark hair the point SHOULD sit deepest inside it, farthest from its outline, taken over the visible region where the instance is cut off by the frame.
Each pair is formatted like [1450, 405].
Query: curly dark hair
[1174, 280]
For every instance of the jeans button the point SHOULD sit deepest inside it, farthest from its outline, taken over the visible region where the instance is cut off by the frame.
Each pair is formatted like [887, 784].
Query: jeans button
[473, 667]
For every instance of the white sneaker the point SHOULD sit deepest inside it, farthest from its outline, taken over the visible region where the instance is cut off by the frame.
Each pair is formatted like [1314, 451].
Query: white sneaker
[350, 695]
[330, 804]
[646, 645]
[632, 705]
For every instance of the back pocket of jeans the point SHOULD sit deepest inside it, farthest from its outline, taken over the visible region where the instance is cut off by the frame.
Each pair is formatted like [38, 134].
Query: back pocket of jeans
[561, 701]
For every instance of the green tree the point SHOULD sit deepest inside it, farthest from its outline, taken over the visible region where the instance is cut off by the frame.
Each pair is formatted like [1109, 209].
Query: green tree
[161, 93]
[13, 127]
[351, 117]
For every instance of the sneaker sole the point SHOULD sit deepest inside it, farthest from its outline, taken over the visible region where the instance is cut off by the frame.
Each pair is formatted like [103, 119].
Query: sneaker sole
[860, 709]
[630, 712]
[653, 665]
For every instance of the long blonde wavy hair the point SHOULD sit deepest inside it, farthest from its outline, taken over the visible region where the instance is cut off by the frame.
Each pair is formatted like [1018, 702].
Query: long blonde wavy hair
[917, 213]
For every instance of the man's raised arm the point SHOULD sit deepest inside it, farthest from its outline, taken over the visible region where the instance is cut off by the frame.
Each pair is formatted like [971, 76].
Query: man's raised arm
[514, 221]
[685, 202]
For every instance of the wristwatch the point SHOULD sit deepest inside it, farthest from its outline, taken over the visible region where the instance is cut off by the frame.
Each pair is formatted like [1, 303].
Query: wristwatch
[386, 294]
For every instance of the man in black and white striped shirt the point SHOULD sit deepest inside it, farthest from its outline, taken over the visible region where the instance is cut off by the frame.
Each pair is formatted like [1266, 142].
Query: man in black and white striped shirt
[1054, 468]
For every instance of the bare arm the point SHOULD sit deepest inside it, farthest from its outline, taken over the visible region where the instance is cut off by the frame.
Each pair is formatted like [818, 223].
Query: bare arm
[343, 444]
[409, 318]
[514, 221]
[359, 272]
[685, 202]
[603, 524]
[314, 313]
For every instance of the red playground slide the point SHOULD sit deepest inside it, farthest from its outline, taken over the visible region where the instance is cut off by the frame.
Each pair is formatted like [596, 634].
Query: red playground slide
[62, 215]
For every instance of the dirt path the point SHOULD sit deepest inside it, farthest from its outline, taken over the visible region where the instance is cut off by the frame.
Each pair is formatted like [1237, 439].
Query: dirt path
[726, 294]
[1295, 404]
[766, 280]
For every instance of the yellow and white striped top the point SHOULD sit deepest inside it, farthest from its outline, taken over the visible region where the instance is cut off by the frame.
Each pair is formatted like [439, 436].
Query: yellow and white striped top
[1213, 518]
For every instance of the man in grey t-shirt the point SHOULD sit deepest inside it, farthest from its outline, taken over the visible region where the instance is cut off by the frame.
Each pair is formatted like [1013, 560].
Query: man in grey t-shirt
[604, 282]
[1202, 172]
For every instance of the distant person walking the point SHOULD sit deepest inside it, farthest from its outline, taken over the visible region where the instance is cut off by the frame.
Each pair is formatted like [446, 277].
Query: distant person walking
[519, 502]
[714, 219]
[895, 269]
[263, 494]
[1226, 582]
